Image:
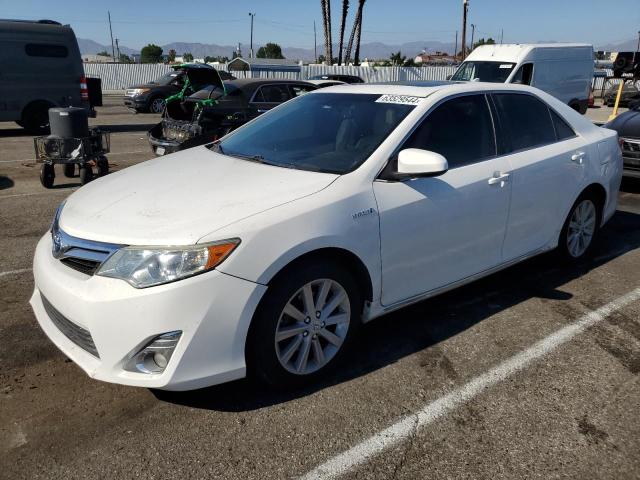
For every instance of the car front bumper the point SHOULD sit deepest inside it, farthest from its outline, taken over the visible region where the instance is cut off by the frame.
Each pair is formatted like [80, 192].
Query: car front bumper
[212, 310]
[137, 103]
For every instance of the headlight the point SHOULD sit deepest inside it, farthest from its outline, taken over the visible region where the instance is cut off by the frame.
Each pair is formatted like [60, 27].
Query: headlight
[138, 91]
[148, 266]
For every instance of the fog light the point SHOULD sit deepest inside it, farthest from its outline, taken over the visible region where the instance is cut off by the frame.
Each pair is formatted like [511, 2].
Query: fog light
[155, 356]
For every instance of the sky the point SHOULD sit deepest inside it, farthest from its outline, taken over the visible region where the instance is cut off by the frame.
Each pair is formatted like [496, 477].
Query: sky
[290, 22]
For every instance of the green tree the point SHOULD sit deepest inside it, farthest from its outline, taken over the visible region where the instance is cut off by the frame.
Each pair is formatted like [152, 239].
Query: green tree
[124, 58]
[151, 54]
[219, 59]
[409, 63]
[187, 57]
[104, 53]
[397, 59]
[171, 56]
[270, 50]
[482, 41]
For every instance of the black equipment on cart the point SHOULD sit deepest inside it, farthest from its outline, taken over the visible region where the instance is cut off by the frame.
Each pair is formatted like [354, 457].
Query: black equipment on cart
[71, 143]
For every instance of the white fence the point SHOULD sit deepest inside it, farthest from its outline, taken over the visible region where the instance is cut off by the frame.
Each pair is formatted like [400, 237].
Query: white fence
[118, 76]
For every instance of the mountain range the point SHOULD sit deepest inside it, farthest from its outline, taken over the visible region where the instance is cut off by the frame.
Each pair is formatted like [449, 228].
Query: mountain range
[373, 50]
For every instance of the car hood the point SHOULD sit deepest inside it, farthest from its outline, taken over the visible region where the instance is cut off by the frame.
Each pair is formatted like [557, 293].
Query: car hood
[179, 198]
[627, 124]
[145, 85]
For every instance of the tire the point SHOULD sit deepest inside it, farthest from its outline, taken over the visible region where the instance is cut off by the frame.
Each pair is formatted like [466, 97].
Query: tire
[35, 118]
[617, 73]
[47, 175]
[281, 363]
[103, 166]
[86, 174]
[580, 229]
[156, 105]
[69, 170]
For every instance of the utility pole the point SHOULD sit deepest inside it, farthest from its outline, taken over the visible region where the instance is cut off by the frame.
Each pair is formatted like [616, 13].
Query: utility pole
[465, 8]
[315, 43]
[251, 44]
[502, 34]
[455, 50]
[113, 50]
[118, 49]
[473, 31]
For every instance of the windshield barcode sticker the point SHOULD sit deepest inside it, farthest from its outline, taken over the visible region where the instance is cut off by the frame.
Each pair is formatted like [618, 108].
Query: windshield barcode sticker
[505, 65]
[399, 99]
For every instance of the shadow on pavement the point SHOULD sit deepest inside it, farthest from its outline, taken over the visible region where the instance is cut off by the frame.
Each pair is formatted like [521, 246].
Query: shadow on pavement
[5, 182]
[133, 127]
[404, 332]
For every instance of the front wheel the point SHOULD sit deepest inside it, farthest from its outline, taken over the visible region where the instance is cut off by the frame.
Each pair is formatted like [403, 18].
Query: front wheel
[47, 175]
[580, 229]
[157, 105]
[305, 324]
[69, 170]
[103, 166]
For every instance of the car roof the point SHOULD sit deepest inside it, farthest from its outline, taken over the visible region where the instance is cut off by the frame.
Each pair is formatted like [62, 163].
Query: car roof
[423, 90]
[192, 65]
[250, 84]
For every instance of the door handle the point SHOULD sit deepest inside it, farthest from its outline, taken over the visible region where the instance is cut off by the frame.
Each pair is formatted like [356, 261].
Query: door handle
[499, 178]
[578, 157]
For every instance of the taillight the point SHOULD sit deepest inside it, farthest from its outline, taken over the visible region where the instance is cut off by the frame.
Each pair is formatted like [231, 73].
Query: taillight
[84, 91]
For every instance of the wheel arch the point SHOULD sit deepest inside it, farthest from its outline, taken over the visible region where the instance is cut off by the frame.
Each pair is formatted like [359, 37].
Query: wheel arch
[342, 256]
[599, 193]
[34, 103]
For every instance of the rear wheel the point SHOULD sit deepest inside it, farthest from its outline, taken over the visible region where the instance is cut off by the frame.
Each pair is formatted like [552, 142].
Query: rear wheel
[305, 324]
[69, 170]
[86, 174]
[47, 175]
[35, 118]
[580, 229]
[103, 166]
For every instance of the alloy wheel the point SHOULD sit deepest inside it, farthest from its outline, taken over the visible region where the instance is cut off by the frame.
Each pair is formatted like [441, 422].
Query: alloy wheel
[582, 226]
[312, 326]
[157, 105]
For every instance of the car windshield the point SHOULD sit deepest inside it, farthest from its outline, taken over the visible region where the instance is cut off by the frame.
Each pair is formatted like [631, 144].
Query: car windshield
[323, 132]
[496, 72]
[167, 78]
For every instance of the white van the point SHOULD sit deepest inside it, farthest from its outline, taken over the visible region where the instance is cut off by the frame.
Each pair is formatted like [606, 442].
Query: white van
[564, 70]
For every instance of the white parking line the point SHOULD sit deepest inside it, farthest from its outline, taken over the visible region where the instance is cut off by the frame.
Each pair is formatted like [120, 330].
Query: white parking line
[110, 154]
[46, 192]
[406, 427]
[15, 272]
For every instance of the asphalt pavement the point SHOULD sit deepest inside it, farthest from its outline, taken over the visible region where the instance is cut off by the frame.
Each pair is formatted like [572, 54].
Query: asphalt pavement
[533, 372]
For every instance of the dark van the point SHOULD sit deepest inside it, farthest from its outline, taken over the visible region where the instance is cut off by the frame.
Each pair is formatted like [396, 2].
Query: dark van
[41, 68]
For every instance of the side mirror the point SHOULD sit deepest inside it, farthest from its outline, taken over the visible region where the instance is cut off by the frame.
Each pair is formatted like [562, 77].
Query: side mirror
[414, 162]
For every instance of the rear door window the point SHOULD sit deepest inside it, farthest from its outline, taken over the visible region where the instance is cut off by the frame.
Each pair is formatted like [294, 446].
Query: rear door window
[273, 94]
[525, 119]
[460, 129]
[301, 89]
[524, 74]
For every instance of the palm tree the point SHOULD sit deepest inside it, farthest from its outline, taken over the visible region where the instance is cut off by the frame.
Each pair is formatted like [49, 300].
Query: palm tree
[355, 34]
[326, 18]
[356, 59]
[345, 10]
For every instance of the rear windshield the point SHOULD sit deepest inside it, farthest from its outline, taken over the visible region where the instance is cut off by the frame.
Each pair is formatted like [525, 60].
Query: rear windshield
[496, 72]
[324, 132]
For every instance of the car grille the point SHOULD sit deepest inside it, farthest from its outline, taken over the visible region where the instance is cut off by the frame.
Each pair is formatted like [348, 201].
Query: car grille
[85, 256]
[73, 332]
[88, 267]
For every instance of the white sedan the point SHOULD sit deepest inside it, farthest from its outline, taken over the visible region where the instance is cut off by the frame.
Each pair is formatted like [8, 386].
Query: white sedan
[265, 251]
